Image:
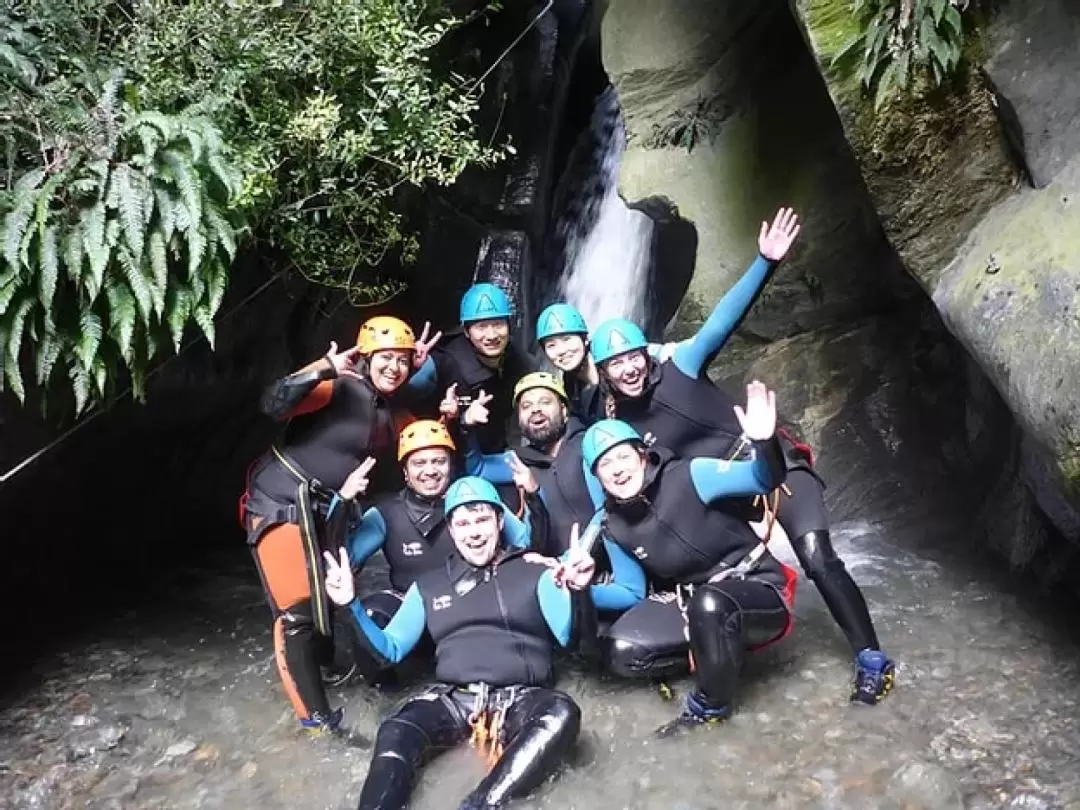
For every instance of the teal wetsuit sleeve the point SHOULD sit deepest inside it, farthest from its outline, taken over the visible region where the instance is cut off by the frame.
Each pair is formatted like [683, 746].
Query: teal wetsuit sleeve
[518, 532]
[556, 607]
[716, 478]
[627, 585]
[368, 537]
[424, 380]
[492, 467]
[404, 631]
[691, 356]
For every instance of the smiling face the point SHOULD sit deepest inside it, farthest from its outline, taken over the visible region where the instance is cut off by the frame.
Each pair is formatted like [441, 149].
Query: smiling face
[427, 471]
[489, 338]
[389, 369]
[628, 372]
[566, 352]
[541, 416]
[621, 471]
[476, 529]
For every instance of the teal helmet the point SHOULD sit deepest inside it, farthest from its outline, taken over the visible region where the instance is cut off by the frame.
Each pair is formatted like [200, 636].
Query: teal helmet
[470, 489]
[560, 319]
[604, 435]
[614, 337]
[484, 302]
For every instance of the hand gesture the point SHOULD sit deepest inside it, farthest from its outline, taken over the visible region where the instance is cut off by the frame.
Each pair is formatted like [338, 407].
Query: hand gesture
[759, 419]
[344, 363]
[357, 482]
[523, 476]
[477, 412]
[424, 345]
[774, 241]
[339, 579]
[578, 569]
[449, 406]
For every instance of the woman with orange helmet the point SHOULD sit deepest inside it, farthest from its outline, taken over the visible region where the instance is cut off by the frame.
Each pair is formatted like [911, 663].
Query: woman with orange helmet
[338, 412]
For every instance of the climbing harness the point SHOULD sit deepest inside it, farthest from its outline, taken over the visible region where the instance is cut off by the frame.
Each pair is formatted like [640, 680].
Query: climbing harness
[488, 718]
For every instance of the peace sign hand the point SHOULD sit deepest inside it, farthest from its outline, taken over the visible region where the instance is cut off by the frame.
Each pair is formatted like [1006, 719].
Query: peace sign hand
[523, 476]
[477, 412]
[775, 240]
[759, 419]
[579, 568]
[357, 482]
[344, 363]
[339, 578]
[424, 345]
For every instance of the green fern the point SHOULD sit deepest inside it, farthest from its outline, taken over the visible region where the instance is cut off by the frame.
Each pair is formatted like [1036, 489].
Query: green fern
[899, 40]
[117, 232]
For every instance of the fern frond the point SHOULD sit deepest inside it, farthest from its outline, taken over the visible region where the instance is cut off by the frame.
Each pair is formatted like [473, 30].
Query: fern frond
[122, 316]
[48, 268]
[89, 338]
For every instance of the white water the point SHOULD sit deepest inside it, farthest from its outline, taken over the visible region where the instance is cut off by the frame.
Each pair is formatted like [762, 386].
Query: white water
[608, 265]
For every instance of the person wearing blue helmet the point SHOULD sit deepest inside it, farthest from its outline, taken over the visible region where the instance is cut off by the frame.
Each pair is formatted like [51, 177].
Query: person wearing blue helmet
[496, 616]
[728, 593]
[563, 336]
[478, 359]
[675, 404]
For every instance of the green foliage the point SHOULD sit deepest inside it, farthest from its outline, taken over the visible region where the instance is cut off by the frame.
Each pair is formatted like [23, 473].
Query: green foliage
[902, 40]
[335, 109]
[117, 237]
[123, 194]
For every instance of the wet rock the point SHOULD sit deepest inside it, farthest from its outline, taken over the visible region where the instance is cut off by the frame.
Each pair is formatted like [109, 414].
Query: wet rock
[180, 749]
[926, 786]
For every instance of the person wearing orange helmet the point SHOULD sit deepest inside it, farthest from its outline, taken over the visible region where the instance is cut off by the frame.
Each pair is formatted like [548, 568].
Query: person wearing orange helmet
[337, 412]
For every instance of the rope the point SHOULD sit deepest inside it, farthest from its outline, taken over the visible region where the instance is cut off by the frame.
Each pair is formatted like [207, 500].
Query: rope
[63, 437]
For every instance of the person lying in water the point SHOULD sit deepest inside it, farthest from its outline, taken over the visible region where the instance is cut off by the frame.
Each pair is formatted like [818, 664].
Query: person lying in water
[495, 615]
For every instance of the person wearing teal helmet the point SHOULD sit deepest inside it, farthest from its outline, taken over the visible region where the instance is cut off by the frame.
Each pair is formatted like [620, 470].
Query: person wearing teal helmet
[676, 404]
[478, 360]
[495, 615]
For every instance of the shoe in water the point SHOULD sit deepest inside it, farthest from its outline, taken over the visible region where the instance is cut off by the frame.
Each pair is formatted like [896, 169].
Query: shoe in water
[875, 676]
[696, 714]
[319, 727]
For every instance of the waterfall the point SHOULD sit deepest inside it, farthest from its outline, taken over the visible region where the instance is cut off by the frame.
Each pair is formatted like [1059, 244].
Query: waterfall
[605, 246]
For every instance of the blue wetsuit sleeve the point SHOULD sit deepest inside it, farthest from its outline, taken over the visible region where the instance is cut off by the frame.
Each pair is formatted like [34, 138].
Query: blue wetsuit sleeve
[424, 380]
[492, 467]
[404, 631]
[518, 532]
[627, 585]
[716, 478]
[556, 607]
[691, 356]
[368, 537]
[592, 484]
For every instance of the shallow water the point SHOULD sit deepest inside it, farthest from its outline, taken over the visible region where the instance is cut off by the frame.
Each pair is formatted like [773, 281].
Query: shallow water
[165, 710]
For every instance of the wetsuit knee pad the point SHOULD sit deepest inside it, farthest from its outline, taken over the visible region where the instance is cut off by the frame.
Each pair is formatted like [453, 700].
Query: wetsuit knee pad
[630, 659]
[564, 712]
[817, 555]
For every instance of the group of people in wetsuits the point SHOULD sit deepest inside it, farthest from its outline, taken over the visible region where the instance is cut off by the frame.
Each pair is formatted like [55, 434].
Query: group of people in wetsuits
[622, 506]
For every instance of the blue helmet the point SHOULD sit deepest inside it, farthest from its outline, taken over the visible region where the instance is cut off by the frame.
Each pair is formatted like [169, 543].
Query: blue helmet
[614, 337]
[560, 319]
[604, 435]
[484, 302]
[470, 489]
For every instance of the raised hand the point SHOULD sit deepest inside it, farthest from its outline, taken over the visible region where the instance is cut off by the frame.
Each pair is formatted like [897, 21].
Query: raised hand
[759, 419]
[424, 345]
[577, 570]
[450, 406]
[339, 579]
[357, 481]
[477, 412]
[344, 363]
[523, 476]
[775, 240]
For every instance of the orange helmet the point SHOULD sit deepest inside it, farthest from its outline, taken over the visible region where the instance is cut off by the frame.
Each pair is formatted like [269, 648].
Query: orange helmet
[422, 434]
[385, 332]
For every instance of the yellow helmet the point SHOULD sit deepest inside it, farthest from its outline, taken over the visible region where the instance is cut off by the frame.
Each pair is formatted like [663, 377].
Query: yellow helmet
[385, 332]
[539, 379]
[422, 434]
